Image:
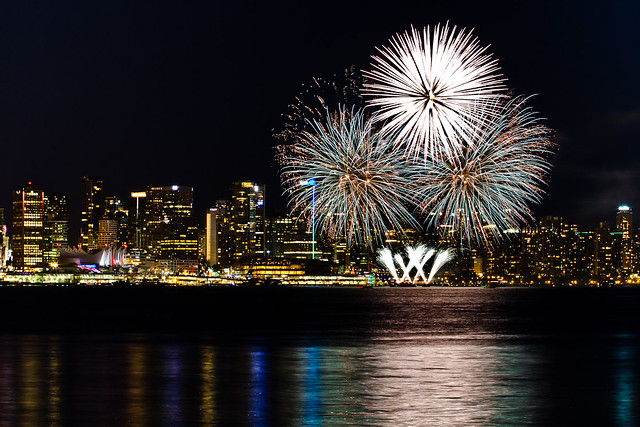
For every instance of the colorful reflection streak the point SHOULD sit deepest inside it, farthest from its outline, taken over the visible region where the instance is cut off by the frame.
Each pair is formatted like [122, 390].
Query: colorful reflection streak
[427, 357]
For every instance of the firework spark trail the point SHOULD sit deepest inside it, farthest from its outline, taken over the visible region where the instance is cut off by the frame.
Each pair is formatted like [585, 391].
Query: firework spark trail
[441, 259]
[415, 256]
[420, 266]
[362, 186]
[482, 191]
[426, 85]
[316, 98]
[386, 258]
[406, 268]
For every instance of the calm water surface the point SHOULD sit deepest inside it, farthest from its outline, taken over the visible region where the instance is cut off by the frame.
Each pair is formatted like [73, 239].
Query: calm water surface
[425, 356]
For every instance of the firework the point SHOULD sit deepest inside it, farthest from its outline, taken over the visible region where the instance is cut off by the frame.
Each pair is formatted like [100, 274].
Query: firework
[361, 185]
[426, 86]
[441, 259]
[482, 191]
[417, 258]
[316, 98]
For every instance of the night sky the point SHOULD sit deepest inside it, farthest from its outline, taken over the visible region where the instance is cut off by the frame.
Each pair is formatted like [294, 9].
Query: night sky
[167, 93]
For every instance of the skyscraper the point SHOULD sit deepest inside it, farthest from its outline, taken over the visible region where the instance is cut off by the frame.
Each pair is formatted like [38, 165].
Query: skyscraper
[211, 237]
[56, 226]
[170, 234]
[243, 233]
[115, 228]
[28, 216]
[624, 225]
[92, 211]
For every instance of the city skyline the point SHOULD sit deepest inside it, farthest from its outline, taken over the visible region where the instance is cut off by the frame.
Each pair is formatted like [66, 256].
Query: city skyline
[191, 95]
[167, 237]
[132, 195]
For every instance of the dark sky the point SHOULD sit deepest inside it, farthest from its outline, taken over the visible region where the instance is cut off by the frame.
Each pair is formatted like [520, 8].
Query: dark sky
[188, 93]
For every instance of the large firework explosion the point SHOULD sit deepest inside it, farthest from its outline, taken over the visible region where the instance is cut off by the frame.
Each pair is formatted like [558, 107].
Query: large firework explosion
[362, 186]
[482, 190]
[425, 86]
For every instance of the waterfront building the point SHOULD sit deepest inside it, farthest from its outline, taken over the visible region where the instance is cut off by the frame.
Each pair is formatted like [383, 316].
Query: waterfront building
[56, 227]
[28, 217]
[267, 267]
[92, 204]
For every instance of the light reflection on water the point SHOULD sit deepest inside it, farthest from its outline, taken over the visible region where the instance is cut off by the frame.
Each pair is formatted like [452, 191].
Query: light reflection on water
[417, 376]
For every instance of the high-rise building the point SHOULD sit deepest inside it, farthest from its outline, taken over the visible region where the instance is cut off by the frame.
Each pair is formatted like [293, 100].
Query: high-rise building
[211, 237]
[28, 216]
[624, 225]
[170, 233]
[92, 211]
[243, 233]
[114, 228]
[56, 226]
[135, 223]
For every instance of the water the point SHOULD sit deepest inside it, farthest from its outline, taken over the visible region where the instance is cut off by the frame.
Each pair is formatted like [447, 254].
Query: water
[426, 356]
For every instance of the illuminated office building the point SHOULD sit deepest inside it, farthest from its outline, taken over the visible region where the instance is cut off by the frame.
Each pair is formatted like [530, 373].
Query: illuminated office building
[92, 205]
[243, 231]
[28, 216]
[289, 237]
[169, 232]
[56, 226]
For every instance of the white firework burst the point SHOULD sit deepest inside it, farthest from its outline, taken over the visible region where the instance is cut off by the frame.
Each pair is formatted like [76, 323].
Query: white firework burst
[362, 186]
[426, 85]
[478, 193]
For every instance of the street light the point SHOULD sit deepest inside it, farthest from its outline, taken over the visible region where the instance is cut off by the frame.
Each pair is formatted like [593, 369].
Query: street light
[312, 183]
